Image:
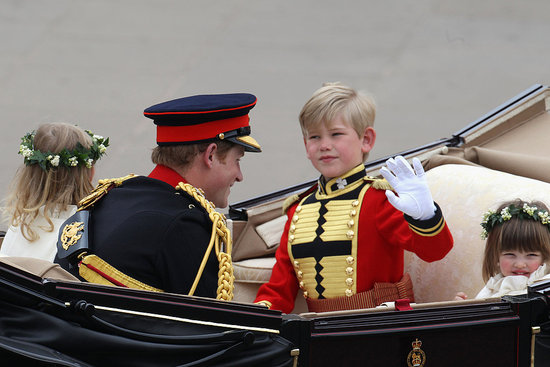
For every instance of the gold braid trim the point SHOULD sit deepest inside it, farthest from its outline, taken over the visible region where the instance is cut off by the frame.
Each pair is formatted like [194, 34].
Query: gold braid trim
[289, 201]
[220, 234]
[96, 270]
[379, 184]
[103, 186]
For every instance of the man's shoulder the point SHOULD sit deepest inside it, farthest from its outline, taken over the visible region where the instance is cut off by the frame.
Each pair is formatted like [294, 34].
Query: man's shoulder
[141, 194]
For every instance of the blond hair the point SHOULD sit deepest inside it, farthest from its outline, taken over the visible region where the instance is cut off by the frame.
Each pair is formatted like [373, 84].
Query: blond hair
[54, 188]
[334, 100]
[516, 234]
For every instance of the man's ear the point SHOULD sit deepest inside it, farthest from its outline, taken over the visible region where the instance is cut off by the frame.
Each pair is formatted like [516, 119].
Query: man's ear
[208, 155]
[369, 137]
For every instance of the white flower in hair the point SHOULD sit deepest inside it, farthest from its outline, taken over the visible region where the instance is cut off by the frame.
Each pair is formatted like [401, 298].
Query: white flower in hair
[73, 161]
[54, 160]
[505, 213]
[101, 148]
[529, 209]
[24, 151]
[89, 163]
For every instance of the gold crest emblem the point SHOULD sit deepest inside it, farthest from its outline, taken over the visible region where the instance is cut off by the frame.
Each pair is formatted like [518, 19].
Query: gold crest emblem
[416, 357]
[71, 234]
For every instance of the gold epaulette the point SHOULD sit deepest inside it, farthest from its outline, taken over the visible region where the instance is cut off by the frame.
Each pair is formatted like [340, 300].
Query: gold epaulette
[378, 183]
[289, 201]
[297, 197]
[103, 186]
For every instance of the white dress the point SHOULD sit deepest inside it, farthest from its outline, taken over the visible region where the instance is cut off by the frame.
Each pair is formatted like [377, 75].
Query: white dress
[45, 247]
[511, 285]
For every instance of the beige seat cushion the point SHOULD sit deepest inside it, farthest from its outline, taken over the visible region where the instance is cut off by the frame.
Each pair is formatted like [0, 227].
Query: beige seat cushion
[39, 267]
[251, 274]
[254, 270]
[464, 194]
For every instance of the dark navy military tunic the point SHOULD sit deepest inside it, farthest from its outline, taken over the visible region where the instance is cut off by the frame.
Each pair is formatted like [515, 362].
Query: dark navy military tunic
[156, 234]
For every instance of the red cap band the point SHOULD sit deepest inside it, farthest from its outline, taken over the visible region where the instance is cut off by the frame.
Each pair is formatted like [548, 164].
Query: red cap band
[203, 131]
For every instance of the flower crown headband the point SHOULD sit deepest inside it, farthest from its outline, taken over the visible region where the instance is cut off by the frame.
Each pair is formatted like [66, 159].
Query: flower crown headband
[491, 218]
[79, 156]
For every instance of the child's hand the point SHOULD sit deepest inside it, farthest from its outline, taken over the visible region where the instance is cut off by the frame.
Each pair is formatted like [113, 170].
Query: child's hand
[413, 195]
[460, 296]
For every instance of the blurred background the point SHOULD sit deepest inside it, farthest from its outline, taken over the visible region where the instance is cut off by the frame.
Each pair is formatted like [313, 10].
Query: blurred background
[432, 66]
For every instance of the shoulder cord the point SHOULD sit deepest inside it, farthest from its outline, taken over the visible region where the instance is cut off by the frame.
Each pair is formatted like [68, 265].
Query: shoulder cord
[220, 233]
[103, 186]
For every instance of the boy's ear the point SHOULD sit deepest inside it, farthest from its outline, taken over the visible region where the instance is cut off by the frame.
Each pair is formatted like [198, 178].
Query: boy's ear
[305, 146]
[369, 137]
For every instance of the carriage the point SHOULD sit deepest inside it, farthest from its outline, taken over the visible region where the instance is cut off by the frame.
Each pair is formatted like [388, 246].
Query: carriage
[49, 321]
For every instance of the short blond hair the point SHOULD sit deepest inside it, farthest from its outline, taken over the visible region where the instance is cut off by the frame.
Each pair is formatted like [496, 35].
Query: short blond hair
[333, 100]
[33, 187]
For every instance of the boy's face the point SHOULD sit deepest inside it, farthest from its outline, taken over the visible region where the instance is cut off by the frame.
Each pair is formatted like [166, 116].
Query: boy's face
[335, 148]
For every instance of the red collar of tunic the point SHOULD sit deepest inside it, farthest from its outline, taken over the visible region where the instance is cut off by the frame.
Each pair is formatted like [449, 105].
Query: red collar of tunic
[166, 174]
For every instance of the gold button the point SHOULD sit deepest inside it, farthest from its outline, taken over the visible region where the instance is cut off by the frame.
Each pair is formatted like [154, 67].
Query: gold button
[291, 238]
[355, 203]
[300, 274]
[349, 282]
[349, 270]
[351, 223]
[292, 228]
[349, 292]
[353, 213]
[295, 218]
[302, 285]
[350, 260]
[306, 294]
[296, 263]
[350, 234]
[298, 208]
[221, 136]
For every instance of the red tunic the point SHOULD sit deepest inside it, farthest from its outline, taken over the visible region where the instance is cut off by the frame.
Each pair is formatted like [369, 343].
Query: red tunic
[383, 233]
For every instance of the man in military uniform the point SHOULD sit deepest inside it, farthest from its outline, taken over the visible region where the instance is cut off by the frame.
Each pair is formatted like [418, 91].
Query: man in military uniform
[155, 232]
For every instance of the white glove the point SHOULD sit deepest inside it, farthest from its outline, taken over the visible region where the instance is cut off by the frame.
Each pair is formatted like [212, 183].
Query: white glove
[414, 197]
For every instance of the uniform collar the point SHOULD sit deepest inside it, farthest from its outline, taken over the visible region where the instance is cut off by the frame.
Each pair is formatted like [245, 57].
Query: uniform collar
[338, 183]
[166, 174]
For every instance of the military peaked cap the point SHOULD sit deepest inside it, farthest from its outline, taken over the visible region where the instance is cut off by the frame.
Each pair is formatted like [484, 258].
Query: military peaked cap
[204, 118]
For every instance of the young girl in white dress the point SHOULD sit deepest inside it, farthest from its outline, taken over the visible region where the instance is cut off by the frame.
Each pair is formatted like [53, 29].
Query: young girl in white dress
[517, 248]
[58, 169]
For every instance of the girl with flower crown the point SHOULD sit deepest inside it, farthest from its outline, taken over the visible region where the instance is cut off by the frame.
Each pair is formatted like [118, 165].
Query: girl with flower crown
[517, 248]
[56, 175]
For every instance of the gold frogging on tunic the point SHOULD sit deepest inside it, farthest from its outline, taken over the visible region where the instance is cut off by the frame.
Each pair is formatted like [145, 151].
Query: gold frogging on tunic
[338, 272]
